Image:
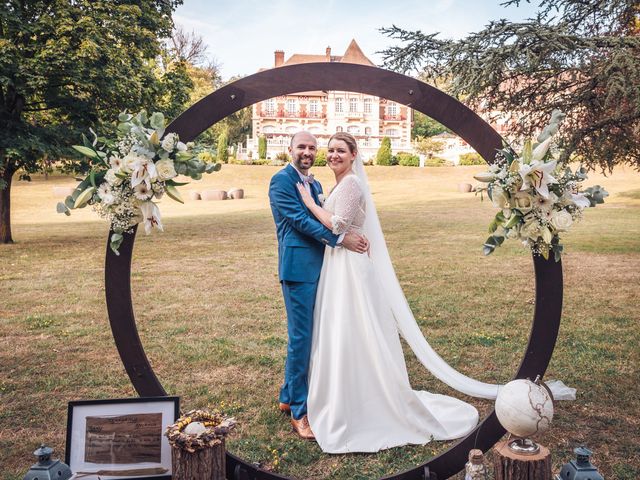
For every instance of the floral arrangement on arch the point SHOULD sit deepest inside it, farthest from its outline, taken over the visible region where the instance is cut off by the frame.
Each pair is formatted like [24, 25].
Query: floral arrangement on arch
[128, 173]
[538, 196]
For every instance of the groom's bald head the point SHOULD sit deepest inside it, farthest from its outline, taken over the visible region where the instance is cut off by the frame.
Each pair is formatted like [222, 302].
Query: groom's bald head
[303, 151]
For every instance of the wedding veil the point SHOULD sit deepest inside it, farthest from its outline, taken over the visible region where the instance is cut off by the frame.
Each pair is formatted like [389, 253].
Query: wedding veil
[405, 320]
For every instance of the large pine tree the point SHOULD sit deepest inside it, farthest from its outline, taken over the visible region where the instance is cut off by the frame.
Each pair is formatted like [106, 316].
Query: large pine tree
[579, 56]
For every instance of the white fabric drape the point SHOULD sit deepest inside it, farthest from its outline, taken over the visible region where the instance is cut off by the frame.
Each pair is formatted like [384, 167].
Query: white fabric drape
[406, 322]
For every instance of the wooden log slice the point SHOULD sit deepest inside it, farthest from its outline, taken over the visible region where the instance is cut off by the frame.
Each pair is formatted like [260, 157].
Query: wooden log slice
[509, 465]
[205, 464]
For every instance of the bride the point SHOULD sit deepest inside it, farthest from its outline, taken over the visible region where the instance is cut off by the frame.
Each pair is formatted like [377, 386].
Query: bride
[360, 398]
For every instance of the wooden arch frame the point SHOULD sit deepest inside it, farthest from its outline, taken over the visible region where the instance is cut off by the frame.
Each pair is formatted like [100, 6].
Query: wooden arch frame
[354, 78]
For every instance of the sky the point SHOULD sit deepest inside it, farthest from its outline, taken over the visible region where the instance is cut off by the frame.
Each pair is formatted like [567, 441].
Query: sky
[243, 34]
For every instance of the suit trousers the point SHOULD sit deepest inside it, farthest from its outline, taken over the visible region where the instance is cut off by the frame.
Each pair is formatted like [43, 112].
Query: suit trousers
[299, 301]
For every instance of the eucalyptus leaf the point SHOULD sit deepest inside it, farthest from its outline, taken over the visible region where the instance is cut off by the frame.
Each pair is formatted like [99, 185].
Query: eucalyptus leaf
[156, 120]
[86, 151]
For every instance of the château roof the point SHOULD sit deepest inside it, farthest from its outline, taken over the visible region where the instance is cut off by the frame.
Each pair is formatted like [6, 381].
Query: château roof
[353, 54]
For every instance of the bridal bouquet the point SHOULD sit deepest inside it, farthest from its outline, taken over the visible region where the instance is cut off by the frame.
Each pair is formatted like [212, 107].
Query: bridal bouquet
[537, 195]
[129, 172]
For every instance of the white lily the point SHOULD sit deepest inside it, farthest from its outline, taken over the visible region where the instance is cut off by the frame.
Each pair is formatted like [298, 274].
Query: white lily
[540, 150]
[143, 170]
[538, 175]
[151, 216]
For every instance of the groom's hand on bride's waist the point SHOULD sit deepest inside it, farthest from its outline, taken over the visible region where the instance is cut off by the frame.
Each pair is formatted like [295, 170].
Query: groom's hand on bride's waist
[355, 243]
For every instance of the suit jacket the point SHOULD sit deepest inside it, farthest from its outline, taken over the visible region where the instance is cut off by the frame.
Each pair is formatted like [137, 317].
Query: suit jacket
[301, 238]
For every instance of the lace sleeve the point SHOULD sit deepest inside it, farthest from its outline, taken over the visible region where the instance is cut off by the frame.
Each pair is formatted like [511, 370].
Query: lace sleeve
[348, 203]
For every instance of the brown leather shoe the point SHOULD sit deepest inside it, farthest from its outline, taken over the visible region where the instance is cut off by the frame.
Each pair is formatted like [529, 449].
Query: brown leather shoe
[284, 407]
[302, 428]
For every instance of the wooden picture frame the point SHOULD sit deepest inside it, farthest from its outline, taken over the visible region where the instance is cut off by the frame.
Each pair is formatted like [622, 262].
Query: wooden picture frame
[120, 438]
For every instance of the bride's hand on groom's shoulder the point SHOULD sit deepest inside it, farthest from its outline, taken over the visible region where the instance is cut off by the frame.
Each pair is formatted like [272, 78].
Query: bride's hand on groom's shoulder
[306, 198]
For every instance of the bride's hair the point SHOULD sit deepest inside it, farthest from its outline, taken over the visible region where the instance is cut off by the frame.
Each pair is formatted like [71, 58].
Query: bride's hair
[346, 138]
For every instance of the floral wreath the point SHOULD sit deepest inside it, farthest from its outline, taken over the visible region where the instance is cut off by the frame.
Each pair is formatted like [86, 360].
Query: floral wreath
[127, 173]
[538, 196]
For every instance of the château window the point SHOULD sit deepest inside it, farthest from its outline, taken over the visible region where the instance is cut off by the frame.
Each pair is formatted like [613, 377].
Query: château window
[392, 109]
[353, 105]
[367, 105]
[339, 129]
[339, 105]
[391, 132]
[291, 105]
[353, 129]
[270, 106]
[313, 107]
[367, 130]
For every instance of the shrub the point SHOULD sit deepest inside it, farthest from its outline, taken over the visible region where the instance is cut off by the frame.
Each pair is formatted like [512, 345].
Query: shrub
[283, 157]
[471, 158]
[384, 152]
[262, 147]
[436, 162]
[407, 159]
[321, 158]
[223, 148]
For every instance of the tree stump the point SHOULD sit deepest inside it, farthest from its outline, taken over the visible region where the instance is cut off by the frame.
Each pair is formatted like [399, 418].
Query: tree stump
[204, 464]
[510, 465]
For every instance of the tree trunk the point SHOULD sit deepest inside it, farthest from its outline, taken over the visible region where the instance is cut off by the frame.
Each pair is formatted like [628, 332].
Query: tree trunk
[205, 464]
[5, 205]
[509, 465]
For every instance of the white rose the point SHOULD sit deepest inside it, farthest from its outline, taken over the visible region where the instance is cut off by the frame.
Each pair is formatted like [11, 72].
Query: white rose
[531, 229]
[499, 198]
[169, 142]
[165, 169]
[561, 220]
[523, 202]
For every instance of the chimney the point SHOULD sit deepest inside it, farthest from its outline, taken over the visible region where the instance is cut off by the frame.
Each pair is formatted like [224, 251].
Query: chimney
[279, 54]
[328, 51]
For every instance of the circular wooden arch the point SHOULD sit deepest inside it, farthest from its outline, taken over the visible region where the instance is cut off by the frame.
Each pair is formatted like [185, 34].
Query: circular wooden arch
[351, 78]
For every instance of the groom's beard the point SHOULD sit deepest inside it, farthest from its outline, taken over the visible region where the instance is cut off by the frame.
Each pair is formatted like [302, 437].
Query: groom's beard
[304, 162]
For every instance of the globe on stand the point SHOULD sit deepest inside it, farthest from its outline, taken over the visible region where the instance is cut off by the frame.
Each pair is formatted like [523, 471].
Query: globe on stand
[524, 408]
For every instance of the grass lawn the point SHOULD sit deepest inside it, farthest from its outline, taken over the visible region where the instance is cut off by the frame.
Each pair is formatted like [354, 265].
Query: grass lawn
[211, 316]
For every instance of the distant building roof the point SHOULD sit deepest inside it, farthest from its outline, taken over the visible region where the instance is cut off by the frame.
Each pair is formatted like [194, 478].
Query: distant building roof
[353, 54]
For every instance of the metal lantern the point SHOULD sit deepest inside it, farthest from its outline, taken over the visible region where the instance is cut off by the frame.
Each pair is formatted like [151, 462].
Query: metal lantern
[580, 468]
[47, 469]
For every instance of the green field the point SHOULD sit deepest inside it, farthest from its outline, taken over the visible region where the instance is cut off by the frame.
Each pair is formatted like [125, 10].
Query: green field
[211, 316]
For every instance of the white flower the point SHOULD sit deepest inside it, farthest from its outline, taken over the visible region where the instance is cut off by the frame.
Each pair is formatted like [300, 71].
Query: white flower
[540, 151]
[105, 194]
[151, 216]
[321, 199]
[111, 178]
[169, 142]
[545, 204]
[561, 220]
[538, 175]
[181, 147]
[165, 169]
[143, 170]
[499, 198]
[531, 229]
[523, 202]
[142, 192]
[116, 163]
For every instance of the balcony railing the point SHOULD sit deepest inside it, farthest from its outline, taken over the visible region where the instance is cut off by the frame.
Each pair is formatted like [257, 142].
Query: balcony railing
[292, 115]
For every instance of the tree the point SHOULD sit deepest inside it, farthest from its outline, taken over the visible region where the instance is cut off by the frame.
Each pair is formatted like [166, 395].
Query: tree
[223, 148]
[383, 157]
[579, 56]
[424, 126]
[262, 147]
[429, 146]
[66, 66]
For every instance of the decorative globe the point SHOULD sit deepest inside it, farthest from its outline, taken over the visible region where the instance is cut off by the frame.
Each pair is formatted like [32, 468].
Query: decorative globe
[524, 408]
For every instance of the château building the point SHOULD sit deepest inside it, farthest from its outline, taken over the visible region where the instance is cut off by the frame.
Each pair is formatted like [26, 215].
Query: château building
[368, 118]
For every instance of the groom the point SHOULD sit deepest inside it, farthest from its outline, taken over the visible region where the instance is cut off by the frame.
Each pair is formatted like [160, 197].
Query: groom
[301, 243]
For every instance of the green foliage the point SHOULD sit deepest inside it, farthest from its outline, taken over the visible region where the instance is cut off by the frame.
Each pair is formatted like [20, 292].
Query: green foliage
[429, 146]
[407, 159]
[424, 126]
[223, 148]
[578, 56]
[384, 156]
[436, 162]
[321, 158]
[471, 158]
[67, 66]
[262, 147]
[282, 158]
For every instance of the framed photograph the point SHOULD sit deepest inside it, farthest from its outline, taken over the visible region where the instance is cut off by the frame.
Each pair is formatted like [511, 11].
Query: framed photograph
[120, 438]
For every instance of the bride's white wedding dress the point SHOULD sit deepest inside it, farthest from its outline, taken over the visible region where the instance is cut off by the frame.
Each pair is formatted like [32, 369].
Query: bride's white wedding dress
[360, 398]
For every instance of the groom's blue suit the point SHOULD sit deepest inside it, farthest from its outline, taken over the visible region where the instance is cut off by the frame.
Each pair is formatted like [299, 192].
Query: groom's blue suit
[301, 242]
